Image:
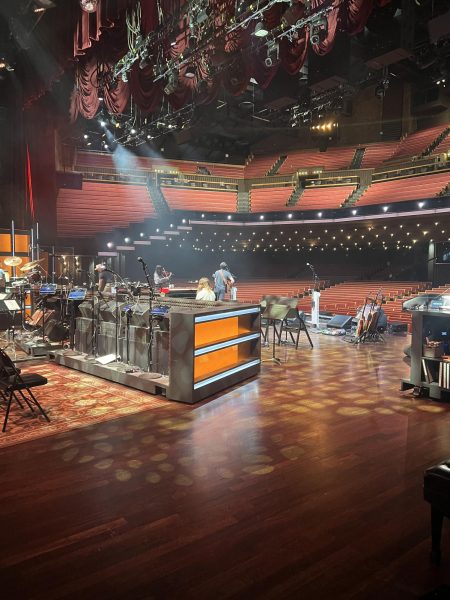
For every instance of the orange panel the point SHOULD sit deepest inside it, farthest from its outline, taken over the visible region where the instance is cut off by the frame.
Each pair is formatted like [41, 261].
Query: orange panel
[5, 242]
[214, 362]
[22, 243]
[216, 331]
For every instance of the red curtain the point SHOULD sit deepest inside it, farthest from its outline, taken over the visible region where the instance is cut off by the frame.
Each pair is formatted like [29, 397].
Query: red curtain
[356, 14]
[232, 61]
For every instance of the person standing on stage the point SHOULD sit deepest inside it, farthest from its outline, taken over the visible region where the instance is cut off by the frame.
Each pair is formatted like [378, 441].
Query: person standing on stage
[104, 277]
[204, 290]
[223, 281]
[161, 277]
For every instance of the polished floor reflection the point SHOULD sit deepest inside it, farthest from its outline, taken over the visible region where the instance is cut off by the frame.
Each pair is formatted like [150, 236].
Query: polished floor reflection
[304, 483]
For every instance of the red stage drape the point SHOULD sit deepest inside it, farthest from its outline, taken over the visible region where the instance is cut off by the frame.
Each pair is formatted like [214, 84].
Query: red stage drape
[235, 57]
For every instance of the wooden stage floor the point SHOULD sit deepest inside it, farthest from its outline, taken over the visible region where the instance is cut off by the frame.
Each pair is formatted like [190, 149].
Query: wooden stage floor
[304, 483]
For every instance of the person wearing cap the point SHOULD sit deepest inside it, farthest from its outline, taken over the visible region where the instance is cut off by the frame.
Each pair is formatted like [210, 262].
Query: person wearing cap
[223, 281]
[105, 277]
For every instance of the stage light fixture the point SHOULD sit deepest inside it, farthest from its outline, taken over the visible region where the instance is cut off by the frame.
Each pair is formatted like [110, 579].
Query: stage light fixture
[385, 208]
[88, 6]
[421, 204]
[102, 124]
[354, 211]
[172, 83]
[132, 131]
[260, 30]
[273, 54]
[109, 245]
[319, 30]
[141, 234]
[85, 136]
[189, 72]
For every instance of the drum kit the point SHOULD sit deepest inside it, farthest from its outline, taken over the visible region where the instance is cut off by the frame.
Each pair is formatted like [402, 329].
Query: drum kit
[31, 271]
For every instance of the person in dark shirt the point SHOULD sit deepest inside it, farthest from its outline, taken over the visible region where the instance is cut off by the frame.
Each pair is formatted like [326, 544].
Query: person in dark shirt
[105, 277]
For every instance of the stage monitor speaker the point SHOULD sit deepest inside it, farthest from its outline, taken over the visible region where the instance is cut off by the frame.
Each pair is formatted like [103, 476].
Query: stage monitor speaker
[85, 309]
[398, 327]
[340, 322]
[56, 332]
[108, 310]
[139, 317]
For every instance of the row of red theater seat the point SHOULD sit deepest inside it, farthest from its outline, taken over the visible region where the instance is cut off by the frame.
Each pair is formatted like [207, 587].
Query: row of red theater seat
[194, 199]
[270, 199]
[324, 197]
[101, 207]
[416, 143]
[88, 160]
[401, 190]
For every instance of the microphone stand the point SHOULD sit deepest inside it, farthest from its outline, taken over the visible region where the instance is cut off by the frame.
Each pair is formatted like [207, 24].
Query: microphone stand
[150, 317]
[119, 279]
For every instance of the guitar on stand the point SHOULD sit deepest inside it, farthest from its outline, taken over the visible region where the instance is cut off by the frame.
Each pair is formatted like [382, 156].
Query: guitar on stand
[366, 329]
[315, 297]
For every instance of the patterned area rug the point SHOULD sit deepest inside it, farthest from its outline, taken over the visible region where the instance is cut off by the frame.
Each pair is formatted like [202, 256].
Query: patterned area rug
[72, 399]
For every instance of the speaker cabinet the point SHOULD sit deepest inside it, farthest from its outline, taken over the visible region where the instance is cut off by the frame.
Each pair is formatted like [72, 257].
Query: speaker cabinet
[340, 322]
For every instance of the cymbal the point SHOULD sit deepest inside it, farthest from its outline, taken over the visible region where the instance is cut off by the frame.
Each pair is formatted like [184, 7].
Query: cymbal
[13, 261]
[30, 265]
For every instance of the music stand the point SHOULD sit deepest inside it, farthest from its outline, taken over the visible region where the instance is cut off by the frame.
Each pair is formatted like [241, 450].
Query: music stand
[275, 313]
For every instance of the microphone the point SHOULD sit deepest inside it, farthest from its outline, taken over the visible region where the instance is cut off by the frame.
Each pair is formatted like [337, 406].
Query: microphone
[142, 261]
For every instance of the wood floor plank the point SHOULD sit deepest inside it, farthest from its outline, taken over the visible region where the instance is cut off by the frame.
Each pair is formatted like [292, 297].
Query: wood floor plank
[303, 483]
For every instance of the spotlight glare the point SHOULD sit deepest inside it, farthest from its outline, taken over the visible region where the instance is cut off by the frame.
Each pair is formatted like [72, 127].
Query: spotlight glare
[102, 124]
[385, 208]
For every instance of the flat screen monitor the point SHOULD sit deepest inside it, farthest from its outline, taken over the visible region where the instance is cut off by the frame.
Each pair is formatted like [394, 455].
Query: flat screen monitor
[47, 289]
[77, 294]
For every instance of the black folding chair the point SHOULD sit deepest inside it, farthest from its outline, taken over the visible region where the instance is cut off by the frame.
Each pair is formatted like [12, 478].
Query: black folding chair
[293, 324]
[15, 386]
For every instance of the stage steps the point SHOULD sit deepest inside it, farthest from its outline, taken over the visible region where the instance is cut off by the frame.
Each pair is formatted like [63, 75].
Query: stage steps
[296, 195]
[355, 196]
[243, 202]
[277, 164]
[157, 198]
[357, 158]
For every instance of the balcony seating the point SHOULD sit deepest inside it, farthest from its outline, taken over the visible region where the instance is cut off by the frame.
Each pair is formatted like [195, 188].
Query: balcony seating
[270, 199]
[258, 166]
[101, 207]
[324, 197]
[408, 188]
[444, 146]
[126, 163]
[198, 200]
[416, 143]
[331, 160]
[376, 154]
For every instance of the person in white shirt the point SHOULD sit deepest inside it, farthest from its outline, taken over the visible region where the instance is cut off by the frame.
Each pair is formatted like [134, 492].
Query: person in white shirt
[204, 290]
